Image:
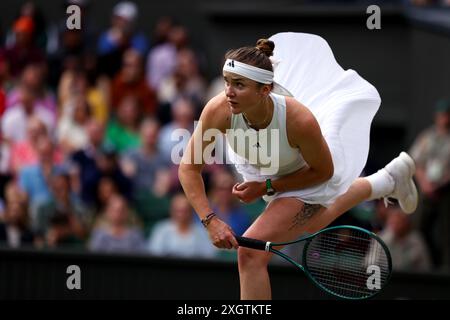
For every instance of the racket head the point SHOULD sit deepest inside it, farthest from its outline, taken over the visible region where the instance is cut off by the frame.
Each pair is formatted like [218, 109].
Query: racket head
[348, 262]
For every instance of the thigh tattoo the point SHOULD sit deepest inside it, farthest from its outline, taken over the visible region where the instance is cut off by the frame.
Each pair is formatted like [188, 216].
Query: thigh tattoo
[305, 214]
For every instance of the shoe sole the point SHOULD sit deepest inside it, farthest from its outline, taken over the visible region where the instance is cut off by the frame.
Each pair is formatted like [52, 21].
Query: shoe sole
[412, 170]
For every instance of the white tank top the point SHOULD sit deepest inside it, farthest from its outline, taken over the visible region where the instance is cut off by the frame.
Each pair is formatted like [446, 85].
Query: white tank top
[264, 148]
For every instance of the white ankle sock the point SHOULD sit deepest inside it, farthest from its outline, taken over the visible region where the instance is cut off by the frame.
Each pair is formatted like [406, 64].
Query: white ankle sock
[382, 184]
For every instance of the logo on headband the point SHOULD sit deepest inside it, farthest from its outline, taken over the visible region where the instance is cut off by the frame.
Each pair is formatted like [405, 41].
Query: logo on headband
[231, 64]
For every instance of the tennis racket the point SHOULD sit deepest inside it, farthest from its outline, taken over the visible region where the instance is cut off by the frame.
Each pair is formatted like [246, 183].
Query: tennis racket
[345, 261]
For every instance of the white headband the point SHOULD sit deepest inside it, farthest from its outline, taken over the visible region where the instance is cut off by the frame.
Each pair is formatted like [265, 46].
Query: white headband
[255, 74]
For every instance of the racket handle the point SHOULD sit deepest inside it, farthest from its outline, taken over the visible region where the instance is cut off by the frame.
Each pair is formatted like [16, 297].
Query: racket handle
[251, 243]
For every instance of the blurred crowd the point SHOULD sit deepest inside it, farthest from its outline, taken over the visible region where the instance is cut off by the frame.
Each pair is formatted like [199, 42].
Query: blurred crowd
[86, 146]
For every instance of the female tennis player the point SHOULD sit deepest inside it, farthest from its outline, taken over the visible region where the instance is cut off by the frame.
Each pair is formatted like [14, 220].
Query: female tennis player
[322, 116]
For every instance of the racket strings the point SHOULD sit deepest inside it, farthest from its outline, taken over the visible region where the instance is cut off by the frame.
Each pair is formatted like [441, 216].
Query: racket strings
[348, 262]
[355, 252]
[350, 274]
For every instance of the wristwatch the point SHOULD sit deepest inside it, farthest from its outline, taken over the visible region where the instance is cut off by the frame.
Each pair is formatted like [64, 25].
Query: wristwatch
[270, 191]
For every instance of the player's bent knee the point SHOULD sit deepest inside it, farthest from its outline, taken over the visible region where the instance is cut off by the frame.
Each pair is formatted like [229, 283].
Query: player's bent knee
[251, 258]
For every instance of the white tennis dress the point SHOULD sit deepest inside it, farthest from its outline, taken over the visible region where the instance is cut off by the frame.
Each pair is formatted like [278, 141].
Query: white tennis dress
[343, 103]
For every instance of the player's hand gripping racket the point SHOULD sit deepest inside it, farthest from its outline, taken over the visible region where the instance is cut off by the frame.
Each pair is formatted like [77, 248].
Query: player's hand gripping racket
[346, 261]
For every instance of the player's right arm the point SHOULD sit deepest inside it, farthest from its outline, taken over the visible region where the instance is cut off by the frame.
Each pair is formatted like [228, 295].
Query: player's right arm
[215, 115]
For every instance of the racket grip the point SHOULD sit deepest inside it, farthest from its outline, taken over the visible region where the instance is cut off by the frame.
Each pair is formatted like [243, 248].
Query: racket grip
[251, 243]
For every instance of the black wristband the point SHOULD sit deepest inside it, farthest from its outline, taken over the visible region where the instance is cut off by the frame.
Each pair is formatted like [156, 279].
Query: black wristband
[208, 219]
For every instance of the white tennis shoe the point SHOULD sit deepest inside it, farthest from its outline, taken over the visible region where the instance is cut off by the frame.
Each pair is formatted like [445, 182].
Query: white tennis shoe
[402, 169]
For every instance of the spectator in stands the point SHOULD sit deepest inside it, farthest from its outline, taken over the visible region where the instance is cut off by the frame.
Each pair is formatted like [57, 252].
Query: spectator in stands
[161, 61]
[70, 46]
[15, 119]
[75, 83]
[13, 193]
[183, 114]
[408, 249]
[93, 168]
[431, 152]
[108, 164]
[162, 29]
[130, 81]
[122, 132]
[186, 81]
[114, 233]
[23, 50]
[85, 163]
[35, 180]
[14, 230]
[141, 164]
[71, 131]
[62, 232]
[29, 9]
[180, 236]
[63, 202]
[119, 37]
[33, 78]
[153, 205]
[150, 176]
[23, 153]
[107, 189]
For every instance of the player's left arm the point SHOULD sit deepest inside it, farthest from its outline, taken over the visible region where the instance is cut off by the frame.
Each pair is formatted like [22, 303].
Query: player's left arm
[304, 132]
